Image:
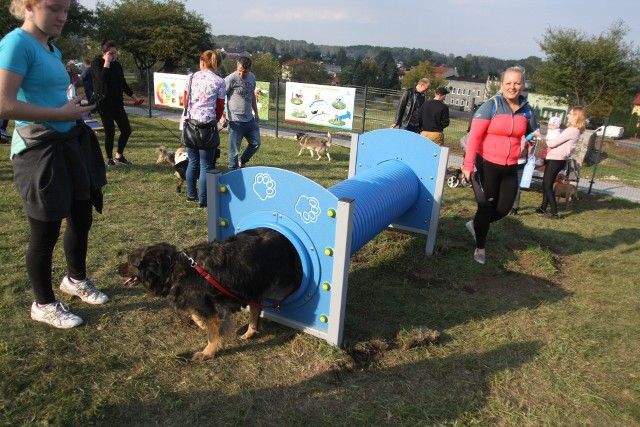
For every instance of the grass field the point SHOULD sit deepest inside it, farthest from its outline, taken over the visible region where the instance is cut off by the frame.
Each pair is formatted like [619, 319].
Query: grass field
[546, 333]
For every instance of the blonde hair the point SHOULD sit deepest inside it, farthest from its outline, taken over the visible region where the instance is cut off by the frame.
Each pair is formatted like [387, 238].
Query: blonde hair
[212, 59]
[579, 118]
[514, 69]
[18, 8]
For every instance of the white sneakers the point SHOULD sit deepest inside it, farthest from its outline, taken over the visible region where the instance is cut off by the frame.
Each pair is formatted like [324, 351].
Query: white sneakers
[59, 316]
[84, 289]
[55, 314]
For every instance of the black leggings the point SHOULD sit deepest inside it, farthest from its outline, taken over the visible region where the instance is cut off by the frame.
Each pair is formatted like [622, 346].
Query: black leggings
[551, 170]
[110, 114]
[500, 186]
[43, 238]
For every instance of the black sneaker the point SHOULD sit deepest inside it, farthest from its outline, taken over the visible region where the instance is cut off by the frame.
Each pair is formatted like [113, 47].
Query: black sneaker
[121, 161]
[540, 211]
[111, 163]
[192, 199]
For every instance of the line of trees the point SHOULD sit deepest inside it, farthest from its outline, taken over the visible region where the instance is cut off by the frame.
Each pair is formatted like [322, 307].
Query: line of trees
[601, 72]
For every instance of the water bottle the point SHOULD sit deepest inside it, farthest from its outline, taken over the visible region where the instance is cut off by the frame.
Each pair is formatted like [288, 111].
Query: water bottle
[71, 91]
[527, 172]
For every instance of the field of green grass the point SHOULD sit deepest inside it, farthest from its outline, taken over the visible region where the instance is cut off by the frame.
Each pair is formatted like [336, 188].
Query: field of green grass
[546, 333]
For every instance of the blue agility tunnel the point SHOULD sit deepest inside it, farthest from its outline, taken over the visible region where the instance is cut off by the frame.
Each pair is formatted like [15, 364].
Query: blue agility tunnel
[395, 180]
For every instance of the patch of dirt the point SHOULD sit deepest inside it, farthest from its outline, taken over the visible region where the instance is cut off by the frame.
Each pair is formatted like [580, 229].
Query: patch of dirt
[420, 279]
[418, 337]
[367, 353]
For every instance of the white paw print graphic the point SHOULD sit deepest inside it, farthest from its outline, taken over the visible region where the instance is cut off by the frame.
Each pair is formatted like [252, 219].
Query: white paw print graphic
[264, 186]
[308, 208]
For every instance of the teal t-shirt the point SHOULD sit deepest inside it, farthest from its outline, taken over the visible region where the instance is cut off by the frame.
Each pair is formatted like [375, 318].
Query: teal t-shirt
[45, 80]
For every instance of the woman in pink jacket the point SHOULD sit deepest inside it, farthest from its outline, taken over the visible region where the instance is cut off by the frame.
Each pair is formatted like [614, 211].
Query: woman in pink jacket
[491, 157]
[561, 148]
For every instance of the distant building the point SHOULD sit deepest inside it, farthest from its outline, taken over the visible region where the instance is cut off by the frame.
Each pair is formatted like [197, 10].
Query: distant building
[334, 71]
[464, 93]
[545, 106]
[636, 106]
[445, 71]
[235, 53]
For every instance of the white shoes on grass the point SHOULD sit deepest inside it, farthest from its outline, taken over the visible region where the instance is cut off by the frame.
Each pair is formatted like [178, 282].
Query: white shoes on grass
[59, 316]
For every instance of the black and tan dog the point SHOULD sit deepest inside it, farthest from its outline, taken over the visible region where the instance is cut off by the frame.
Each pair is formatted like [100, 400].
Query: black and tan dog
[253, 265]
[178, 159]
[315, 144]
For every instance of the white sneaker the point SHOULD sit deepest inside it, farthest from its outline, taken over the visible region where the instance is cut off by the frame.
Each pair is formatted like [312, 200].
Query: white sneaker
[55, 314]
[83, 289]
[471, 229]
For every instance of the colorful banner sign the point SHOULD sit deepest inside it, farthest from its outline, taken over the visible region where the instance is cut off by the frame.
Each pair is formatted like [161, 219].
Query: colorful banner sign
[262, 98]
[330, 106]
[169, 89]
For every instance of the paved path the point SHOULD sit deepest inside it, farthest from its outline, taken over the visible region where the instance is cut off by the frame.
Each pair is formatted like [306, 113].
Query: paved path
[600, 187]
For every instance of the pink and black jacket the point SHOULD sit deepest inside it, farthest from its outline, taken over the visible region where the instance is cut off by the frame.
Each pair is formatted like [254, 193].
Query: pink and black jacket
[496, 133]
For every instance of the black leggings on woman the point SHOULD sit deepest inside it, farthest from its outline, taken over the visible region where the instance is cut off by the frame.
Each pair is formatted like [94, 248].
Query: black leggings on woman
[499, 187]
[110, 114]
[43, 238]
[551, 170]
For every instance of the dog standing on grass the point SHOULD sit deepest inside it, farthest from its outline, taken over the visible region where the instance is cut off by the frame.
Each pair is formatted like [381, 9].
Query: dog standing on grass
[178, 159]
[565, 189]
[254, 265]
[314, 144]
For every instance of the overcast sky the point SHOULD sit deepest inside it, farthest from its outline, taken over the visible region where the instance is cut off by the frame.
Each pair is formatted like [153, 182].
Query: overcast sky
[499, 28]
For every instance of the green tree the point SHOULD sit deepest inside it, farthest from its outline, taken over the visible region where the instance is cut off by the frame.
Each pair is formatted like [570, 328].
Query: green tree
[310, 72]
[365, 73]
[154, 31]
[388, 71]
[346, 75]
[341, 58]
[462, 66]
[423, 69]
[265, 67]
[598, 72]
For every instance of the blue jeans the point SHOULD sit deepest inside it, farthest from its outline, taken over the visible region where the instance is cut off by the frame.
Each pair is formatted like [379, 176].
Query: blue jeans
[200, 162]
[237, 131]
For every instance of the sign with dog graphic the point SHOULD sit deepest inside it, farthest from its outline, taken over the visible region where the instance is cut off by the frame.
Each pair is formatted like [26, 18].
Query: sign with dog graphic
[330, 106]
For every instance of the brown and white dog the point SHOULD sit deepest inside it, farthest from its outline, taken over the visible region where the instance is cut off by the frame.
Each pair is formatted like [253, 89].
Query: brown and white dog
[562, 187]
[253, 265]
[178, 159]
[315, 144]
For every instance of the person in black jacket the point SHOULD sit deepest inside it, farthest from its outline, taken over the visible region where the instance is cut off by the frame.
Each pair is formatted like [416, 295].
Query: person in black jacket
[434, 117]
[407, 116]
[108, 85]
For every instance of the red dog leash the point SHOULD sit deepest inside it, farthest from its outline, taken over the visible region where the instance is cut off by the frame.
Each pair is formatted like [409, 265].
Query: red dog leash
[220, 288]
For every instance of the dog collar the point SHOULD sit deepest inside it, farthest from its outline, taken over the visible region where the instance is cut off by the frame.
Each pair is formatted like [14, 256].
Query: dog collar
[223, 290]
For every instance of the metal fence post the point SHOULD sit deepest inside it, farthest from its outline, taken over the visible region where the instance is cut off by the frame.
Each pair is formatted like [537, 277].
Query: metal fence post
[595, 166]
[364, 107]
[149, 90]
[277, 105]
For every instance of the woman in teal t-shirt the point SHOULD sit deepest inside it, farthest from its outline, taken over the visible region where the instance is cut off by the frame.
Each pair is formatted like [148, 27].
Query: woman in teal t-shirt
[33, 92]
